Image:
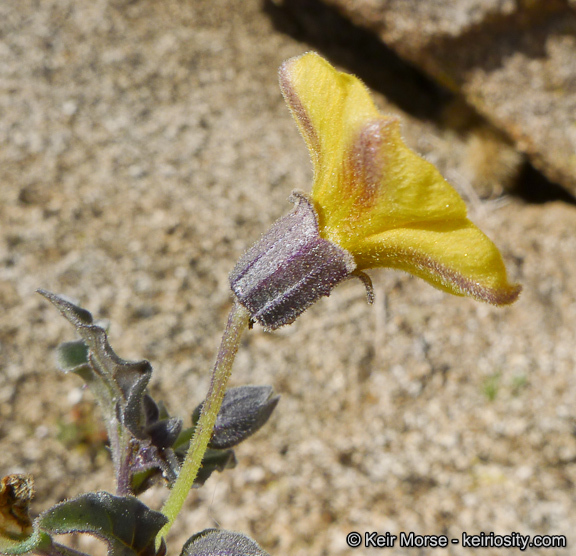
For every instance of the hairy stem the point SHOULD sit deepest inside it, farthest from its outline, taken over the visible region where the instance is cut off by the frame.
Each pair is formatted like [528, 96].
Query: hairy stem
[124, 468]
[238, 321]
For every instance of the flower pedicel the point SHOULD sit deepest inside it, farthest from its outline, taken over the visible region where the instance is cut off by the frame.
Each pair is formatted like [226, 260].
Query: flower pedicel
[374, 203]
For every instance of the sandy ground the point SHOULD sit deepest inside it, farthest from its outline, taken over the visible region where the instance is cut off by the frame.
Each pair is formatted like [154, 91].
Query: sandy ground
[144, 146]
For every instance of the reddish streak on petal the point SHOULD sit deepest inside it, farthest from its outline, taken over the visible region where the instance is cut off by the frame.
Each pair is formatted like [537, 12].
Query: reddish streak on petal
[365, 164]
[299, 112]
[495, 296]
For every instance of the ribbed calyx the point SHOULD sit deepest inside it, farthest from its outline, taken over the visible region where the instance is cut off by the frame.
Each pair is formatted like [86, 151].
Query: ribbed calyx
[290, 268]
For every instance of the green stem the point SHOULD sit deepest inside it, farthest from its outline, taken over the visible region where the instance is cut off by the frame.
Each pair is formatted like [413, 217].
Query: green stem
[238, 321]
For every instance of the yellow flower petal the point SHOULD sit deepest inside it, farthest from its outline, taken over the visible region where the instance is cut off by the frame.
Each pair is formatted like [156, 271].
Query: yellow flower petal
[378, 199]
[328, 105]
[453, 256]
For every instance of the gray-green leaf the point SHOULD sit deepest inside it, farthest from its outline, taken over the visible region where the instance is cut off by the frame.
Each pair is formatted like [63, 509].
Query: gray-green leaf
[244, 410]
[217, 542]
[126, 524]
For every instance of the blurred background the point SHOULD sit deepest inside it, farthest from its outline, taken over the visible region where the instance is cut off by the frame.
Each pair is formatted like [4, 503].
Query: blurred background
[144, 145]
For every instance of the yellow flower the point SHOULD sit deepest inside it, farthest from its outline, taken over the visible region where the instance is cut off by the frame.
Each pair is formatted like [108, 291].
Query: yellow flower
[376, 198]
[374, 203]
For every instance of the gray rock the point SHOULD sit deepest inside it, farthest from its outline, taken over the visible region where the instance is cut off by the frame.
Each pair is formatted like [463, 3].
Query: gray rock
[515, 62]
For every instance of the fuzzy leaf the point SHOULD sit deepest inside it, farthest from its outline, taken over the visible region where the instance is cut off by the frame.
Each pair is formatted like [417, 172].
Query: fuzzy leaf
[245, 410]
[118, 385]
[216, 542]
[214, 460]
[127, 525]
[71, 355]
[111, 377]
[140, 432]
[164, 433]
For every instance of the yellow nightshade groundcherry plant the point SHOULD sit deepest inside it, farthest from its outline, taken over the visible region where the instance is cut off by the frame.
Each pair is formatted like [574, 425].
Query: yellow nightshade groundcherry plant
[374, 203]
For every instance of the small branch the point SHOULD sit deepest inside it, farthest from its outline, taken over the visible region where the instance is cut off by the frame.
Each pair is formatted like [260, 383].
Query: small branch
[124, 468]
[238, 321]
